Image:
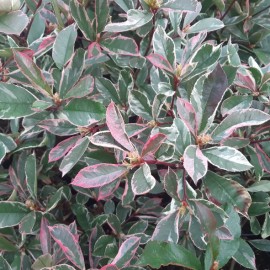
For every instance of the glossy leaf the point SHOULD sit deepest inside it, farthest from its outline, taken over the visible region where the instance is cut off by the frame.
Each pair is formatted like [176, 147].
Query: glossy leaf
[135, 19]
[142, 181]
[180, 5]
[13, 23]
[32, 72]
[261, 244]
[116, 125]
[153, 144]
[261, 186]
[83, 112]
[223, 191]
[172, 254]
[126, 252]
[227, 158]
[195, 163]
[160, 62]
[31, 175]
[64, 45]
[98, 175]
[12, 213]
[15, 101]
[68, 244]
[101, 14]
[74, 155]
[208, 24]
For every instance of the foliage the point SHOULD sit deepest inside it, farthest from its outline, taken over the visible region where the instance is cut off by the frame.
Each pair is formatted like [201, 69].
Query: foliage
[134, 134]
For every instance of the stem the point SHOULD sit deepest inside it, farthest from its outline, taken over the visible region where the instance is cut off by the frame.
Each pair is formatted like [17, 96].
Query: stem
[176, 83]
[262, 140]
[259, 12]
[185, 197]
[151, 35]
[228, 9]
[58, 15]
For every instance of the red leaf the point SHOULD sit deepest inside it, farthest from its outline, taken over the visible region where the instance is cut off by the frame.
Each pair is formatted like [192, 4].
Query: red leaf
[153, 144]
[116, 125]
[160, 62]
[98, 175]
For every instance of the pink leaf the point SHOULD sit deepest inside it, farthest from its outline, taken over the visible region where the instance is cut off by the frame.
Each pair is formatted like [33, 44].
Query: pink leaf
[98, 175]
[62, 148]
[109, 267]
[153, 144]
[44, 236]
[264, 159]
[187, 114]
[160, 62]
[116, 125]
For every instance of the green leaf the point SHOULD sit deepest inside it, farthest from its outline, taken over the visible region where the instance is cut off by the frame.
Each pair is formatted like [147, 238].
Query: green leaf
[171, 183]
[74, 155]
[135, 19]
[164, 45]
[261, 186]
[98, 175]
[4, 265]
[183, 139]
[83, 112]
[59, 267]
[225, 191]
[227, 158]
[142, 181]
[208, 24]
[207, 93]
[68, 243]
[82, 19]
[245, 255]
[266, 226]
[42, 261]
[6, 245]
[32, 72]
[15, 101]
[63, 47]
[140, 105]
[126, 252]
[13, 23]
[167, 229]
[195, 163]
[11, 213]
[180, 5]
[261, 244]
[101, 14]
[243, 118]
[31, 175]
[125, 4]
[2, 151]
[172, 254]
[59, 127]
[8, 142]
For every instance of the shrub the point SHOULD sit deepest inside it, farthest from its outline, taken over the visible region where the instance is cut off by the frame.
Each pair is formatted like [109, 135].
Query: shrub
[134, 134]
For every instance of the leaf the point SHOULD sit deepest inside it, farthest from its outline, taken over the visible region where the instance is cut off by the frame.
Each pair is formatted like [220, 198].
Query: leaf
[195, 163]
[261, 186]
[164, 45]
[126, 252]
[227, 158]
[59, 127]
[98, 175]
[68, 244]
[82, 88]
[172, 254]
[208, 24]
[207, 93]
[2, 152]
[83, 112]
[109, 267]
[125, 4]
[80, 15]
[32, 72]
[224, 191]
[12, 213]
[245, 255]
[13, 23]
[6, 245]
[63, 47]
[188, 114]
[139, 104]
[261, 244]
[171, 183]
[116, 125]
[4, 264]
[8, 143]
[153, 144]
[15, 101]
[101, 14]
[243, 118]
[180, 5]
[31, 175]
[167, 229]
[59, 267]
[160, 62]
[135, 19]
[44, 236]
[263, 158]
[142, 181]
[120, 45]
[62, 148]
[74, 155]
